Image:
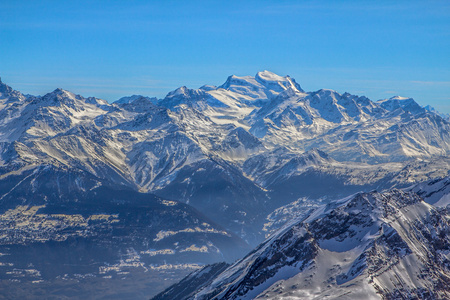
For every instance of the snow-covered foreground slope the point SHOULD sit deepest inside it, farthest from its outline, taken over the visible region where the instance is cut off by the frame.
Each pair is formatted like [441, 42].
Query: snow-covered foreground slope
[192, 282]
[388, 245]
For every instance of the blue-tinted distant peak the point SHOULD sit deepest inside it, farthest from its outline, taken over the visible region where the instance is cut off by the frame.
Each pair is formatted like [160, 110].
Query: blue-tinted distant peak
[396, 102]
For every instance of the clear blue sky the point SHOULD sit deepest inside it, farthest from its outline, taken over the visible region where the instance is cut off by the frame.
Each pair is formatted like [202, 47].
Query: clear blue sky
[110, 49]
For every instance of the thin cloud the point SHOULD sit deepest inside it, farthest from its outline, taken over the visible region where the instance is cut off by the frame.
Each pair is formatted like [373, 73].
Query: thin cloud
[433, 83]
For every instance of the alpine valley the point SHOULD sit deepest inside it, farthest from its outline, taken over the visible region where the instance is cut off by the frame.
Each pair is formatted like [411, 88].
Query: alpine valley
[338, 195]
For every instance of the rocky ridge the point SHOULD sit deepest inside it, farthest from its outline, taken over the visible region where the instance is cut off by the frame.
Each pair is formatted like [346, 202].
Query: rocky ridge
[371, 245]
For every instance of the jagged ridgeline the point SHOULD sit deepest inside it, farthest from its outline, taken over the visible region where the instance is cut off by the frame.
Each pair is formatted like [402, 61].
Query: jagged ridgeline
[201, 176]
[369, 246]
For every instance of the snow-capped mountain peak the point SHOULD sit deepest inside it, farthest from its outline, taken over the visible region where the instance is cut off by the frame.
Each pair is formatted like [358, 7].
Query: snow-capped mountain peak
[179, 91]
[184, 92]
[270, 83]
[6, 92]
[269, 76]
[183, 95]
[433, 110]
[275, 82]
[63, 98]
[234, 80]
[130, 99]
[396, 102]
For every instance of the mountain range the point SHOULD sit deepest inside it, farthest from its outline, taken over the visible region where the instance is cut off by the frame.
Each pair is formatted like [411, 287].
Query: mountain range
[200, 176]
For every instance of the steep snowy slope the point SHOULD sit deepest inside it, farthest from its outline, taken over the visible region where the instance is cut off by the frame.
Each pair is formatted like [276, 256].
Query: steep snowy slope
[372, 246]
[7, 94]
[433, 110]
[435, 192]
[188, 286]
[402, 103]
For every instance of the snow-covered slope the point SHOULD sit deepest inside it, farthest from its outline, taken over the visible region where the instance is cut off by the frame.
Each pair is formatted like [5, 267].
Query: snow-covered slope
[435, 192]
[368, 246]
[184, 289]
[133, 98]
[402, 103]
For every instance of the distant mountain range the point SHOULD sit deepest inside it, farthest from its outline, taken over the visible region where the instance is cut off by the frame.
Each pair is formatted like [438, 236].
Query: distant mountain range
[200, 176]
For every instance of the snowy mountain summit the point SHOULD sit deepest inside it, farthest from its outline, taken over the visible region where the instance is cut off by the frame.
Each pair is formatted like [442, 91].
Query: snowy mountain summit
[268, 82]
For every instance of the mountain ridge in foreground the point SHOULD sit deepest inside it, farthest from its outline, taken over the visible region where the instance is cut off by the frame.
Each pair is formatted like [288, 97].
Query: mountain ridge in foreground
[388, 245]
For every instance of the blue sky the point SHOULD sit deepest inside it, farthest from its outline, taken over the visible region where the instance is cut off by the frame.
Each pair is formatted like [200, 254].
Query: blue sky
[110, 49]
